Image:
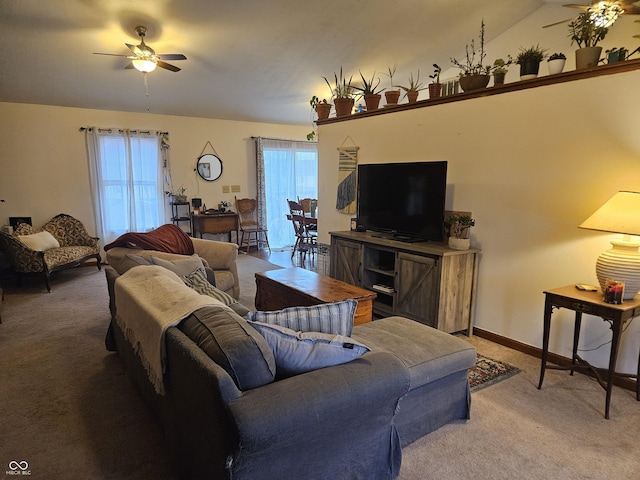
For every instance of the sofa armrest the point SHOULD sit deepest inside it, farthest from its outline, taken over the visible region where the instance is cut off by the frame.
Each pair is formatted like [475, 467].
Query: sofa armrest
[332, 421]
[22, 258]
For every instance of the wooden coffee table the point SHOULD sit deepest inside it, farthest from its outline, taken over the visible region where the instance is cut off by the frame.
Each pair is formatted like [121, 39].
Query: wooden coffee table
[297, 287]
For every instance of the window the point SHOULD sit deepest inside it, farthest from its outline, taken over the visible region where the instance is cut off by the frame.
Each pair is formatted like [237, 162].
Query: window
[126, 177]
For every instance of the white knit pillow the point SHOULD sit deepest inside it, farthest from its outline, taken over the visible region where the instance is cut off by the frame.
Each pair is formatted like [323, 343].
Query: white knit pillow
[40, 242]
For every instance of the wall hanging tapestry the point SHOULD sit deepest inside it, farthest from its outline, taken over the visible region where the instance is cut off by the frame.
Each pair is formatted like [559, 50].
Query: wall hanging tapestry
[347, 165]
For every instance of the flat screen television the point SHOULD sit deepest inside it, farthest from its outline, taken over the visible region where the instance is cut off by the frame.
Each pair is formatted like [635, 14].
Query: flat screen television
[403, 200]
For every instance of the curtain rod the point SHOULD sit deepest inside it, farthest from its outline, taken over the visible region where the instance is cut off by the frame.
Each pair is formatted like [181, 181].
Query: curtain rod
[281, 139]
[82, 129]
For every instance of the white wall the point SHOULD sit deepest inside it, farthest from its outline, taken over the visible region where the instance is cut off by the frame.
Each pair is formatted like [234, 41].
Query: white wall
[43, 162]
[531, 166]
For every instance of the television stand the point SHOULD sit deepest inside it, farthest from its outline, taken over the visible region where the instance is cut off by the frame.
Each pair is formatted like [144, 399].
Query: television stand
[426, 282]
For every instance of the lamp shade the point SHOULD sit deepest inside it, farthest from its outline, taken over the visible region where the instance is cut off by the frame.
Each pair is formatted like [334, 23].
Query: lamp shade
[144, 65]
[620, 214]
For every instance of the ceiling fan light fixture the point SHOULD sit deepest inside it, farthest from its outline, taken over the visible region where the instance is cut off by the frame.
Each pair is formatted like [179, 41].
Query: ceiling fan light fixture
[144, 65]
[605, 13]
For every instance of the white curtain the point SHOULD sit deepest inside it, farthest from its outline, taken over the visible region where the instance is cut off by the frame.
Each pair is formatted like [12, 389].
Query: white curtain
[286, 170]
[126, 173]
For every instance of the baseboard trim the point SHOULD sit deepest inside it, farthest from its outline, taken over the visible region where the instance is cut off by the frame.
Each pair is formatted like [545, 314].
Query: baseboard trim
[626, 383]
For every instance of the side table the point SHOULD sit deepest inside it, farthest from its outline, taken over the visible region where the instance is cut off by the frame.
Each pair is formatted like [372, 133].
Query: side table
[591, 303]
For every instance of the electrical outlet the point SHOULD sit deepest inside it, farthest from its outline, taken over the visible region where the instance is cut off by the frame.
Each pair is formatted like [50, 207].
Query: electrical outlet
[225, 189]
[235, 188]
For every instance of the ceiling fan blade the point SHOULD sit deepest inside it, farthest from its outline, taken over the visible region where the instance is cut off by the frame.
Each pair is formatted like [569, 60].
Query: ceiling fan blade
[558, 23]
[172, 56]
[577, 5]
[168, 66]
[134, 48]
[110, 54]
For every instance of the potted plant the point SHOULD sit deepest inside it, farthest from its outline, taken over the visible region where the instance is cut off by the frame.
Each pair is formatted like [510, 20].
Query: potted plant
[529, 60]
[499, 70]
[342, 93]
[586, 33]
[474, 74]
[370, 92]
[177, 196]
[435, 87]
[413, 90]
[391, 95]
[555, 62]
[322, 107]
[459, 231]
[617, 54]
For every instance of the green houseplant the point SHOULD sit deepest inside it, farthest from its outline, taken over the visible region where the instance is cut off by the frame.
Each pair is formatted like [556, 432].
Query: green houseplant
[342, 94]
[369, 90]
[178, 195]
[435, 87]
[586, 33]
[499, 70]
[322, 107]
[459, 231]
[529, 60]
[474, 73]
[413, 89]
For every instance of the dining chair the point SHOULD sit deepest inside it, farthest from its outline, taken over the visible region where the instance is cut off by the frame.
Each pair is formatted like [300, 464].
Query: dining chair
[247, 209]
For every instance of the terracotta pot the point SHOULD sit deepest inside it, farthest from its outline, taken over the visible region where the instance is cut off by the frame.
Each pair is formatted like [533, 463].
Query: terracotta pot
[372, 101]
[344, 106]
[434, 90]
[412, 96]
[587, 57]
[392, 96]
[473, 82]
[323, 110]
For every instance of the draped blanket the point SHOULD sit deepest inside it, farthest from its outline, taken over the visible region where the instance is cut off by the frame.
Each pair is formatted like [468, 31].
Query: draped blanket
[166, 238]
[150, 299]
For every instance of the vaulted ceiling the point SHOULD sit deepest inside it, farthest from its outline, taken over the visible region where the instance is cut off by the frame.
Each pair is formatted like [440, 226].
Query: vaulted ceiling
[254, 60]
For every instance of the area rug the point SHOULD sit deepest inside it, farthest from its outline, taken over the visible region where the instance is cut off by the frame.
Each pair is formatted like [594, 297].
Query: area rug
[488, 371]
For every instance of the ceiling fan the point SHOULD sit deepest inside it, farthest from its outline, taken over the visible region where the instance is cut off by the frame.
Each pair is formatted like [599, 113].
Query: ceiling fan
[144, 58]
[604, 12]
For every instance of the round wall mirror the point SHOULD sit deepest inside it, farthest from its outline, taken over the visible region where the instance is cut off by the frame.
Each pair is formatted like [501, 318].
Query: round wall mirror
[209, 167]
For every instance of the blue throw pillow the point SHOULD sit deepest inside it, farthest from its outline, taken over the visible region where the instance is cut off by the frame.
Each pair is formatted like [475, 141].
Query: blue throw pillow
[299, 352]
[335, 318]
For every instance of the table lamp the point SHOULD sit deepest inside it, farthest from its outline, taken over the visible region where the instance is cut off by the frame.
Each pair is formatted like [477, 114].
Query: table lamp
[620, 214]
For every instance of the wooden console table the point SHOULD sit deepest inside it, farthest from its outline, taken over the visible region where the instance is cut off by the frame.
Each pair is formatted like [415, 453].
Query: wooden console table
[297, 287]
[589, 302]
[216, 223]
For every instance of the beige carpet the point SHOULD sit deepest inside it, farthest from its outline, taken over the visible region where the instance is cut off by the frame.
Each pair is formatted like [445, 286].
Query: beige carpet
[69, 410]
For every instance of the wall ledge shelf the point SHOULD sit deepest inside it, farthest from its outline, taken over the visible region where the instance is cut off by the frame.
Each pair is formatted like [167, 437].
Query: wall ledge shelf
[570, 76]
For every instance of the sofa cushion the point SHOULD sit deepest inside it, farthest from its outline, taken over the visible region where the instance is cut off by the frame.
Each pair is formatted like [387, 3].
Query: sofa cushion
[429, 354]
[233, 344]
[334, 318]
[198, 281]
[40, 242]
[299, 352]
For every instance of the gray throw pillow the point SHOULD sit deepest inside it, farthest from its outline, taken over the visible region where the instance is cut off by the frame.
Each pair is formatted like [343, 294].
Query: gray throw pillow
[198, 281]
[131, 260]
[233, 344]
[335, 318]
[299, 352]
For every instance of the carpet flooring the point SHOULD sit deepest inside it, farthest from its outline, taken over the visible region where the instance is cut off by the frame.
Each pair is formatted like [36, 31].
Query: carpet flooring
[70, 412]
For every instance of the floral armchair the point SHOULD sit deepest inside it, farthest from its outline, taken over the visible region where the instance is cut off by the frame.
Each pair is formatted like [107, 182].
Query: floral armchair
[71, 246]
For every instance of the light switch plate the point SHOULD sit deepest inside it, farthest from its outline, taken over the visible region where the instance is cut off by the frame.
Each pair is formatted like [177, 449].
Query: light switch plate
[235, 188]
[225, 189]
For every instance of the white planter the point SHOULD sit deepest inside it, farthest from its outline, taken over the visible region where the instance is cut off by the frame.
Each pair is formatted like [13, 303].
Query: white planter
[556, 66]
[459, 243]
